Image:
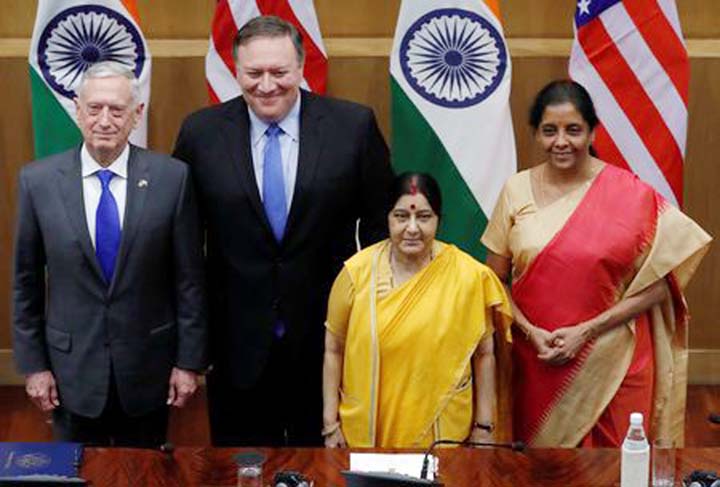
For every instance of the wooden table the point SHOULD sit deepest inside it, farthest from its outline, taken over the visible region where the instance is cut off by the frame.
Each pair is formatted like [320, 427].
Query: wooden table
[458, 467]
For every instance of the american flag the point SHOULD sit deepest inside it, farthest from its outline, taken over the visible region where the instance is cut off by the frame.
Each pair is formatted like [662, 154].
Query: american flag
[631, 57]
[230, 15]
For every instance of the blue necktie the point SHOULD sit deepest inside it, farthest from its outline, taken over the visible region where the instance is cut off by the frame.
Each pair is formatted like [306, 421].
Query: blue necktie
[274, 195]
[273, 185]
[107, 227]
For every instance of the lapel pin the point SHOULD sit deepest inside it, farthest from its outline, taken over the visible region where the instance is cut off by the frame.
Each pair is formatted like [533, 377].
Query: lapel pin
[142, 183]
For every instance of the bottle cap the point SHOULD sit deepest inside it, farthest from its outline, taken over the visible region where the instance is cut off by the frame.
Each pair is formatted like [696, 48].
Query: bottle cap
[636, 419]
[249, 459]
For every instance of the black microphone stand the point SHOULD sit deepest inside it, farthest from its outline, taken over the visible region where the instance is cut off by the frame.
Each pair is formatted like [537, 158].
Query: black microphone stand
[514, 446]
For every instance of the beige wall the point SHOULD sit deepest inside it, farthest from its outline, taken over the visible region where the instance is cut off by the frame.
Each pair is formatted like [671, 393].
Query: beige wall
[538, 33]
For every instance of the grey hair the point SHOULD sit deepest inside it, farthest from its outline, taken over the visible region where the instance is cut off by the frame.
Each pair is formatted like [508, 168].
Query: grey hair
[269, 26]
[110, 69]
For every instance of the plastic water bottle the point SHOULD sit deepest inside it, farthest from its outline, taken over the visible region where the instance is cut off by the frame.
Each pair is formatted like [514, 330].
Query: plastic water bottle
[635, 461]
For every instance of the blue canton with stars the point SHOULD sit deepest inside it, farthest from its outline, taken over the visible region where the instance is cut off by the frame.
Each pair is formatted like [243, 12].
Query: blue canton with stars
[587, 10]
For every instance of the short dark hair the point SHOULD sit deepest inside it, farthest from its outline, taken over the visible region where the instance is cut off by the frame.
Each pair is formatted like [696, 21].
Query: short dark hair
[409, 183]
[268, 26]
[562, 91]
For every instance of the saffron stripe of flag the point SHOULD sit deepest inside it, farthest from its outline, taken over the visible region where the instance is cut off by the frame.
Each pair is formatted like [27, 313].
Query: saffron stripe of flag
[630, 56]
[232, 14]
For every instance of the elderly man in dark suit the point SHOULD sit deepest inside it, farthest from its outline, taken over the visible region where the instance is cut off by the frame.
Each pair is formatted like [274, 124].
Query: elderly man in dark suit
[109, 324]
[283, 176]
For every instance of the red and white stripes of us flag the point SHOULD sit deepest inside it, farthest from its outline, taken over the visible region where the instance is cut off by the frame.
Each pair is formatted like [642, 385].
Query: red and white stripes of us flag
[230, 15]
[631, 57]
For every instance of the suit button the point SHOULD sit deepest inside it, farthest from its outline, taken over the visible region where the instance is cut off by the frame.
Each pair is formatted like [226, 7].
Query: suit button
[276, 304]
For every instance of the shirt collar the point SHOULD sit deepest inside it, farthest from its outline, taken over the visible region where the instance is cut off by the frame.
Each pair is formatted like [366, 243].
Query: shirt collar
[289, 125]
[118, 166]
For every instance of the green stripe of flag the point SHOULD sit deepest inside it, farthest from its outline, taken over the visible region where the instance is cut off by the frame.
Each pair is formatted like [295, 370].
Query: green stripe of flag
[416, 147]
[54, 130]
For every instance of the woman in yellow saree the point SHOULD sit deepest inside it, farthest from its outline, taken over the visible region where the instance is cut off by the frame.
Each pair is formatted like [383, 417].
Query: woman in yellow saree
[598, 261]
[409, 340]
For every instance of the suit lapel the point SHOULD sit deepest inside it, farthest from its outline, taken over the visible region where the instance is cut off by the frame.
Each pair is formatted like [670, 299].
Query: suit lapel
[71, 189]
[138, 185]
[237, 135]
[311, 144]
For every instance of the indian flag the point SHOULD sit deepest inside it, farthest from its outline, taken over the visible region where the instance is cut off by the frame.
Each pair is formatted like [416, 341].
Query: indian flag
[69, 36]
[450, 86]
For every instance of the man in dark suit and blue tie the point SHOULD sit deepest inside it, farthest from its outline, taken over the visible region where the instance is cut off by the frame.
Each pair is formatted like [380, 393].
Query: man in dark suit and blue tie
[283, 176]
[109, 323]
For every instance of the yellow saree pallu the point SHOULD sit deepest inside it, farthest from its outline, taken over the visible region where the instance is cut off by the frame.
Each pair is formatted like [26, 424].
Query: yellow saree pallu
[407, 376]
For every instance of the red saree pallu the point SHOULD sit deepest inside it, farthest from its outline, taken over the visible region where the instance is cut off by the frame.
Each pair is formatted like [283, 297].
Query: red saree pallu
[580, 273]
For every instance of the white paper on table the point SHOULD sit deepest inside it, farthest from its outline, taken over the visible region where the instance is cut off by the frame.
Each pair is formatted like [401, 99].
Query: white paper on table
[402, 463]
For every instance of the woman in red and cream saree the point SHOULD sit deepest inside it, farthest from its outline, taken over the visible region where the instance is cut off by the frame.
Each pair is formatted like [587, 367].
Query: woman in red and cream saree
[598, 262]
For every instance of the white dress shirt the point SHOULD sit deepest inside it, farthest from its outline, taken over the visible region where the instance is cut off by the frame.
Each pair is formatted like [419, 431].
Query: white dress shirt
[92, 189]
[289, 149]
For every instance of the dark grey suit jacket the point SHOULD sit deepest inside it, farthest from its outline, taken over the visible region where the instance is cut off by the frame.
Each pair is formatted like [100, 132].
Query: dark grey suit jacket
[343, 175]
[151, 317]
